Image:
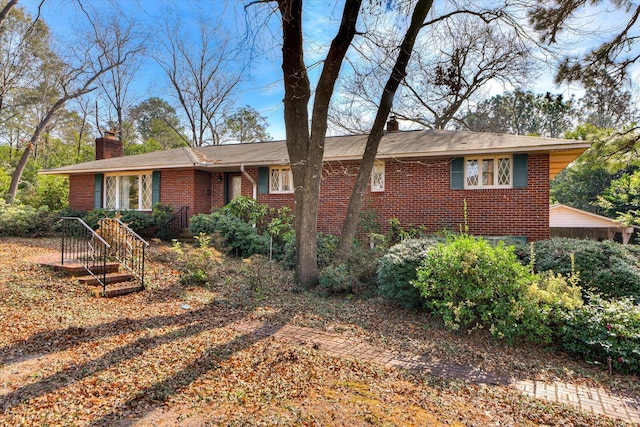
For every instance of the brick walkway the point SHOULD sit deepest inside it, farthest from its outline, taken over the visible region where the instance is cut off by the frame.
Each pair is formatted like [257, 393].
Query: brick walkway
[594, 400]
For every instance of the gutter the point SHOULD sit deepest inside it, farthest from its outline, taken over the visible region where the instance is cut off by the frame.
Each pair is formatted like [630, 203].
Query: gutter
[253, 183]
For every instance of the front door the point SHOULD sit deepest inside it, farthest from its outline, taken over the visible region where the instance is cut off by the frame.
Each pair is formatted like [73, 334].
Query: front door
[234, 186]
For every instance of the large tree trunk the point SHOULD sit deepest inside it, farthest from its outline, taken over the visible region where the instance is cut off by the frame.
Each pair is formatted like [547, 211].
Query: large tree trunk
[350, 225]
[306, 150]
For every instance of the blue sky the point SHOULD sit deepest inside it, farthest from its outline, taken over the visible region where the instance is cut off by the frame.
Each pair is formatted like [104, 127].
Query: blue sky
[262, 87]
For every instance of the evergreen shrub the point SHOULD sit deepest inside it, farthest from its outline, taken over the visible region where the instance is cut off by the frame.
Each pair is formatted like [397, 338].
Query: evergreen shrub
[604, 329]
[472, 283]
[606, 267]
[18, 220]
[397, 268]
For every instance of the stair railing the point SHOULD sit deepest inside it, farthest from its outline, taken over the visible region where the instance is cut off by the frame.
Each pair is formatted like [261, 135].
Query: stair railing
[125, 245]
[83, 245]
[178, 221]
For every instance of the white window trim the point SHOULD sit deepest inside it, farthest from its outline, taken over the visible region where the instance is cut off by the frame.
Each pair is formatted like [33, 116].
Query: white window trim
[379, 164]
[140, 193]
[495, 158]
[280, 191]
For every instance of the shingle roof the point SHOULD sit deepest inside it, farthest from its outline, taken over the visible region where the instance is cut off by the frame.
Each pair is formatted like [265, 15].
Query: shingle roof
[403, 144]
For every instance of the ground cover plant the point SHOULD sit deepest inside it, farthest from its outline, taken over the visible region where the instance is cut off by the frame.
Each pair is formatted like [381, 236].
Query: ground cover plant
[171, 355]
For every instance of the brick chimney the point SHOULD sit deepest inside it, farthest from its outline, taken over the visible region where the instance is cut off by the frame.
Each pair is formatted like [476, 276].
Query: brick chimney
[108, 146]
[392, 124]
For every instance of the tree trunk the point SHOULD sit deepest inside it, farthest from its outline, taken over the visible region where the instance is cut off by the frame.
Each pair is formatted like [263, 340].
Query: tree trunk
[6, 9]
[306, 150]
[17, 174]
[350, 225]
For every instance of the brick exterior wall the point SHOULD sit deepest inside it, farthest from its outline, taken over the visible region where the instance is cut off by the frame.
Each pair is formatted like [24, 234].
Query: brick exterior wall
[417, 193]
[186, 187]
[81, 192]
[108, 148]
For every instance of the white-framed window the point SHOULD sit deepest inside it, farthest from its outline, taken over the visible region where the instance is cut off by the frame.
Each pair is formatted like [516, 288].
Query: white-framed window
[488, 172]
[377, 176]
[128, 192]
[280, 179]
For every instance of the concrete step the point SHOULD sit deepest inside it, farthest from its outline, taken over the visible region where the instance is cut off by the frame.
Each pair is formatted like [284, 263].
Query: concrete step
[109, 279]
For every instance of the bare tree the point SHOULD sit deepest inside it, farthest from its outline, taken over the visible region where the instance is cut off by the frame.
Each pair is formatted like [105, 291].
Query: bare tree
[202, 75]
[398, 73]
[305, 144]
[75, 75]
[454, 60]
[115, 84]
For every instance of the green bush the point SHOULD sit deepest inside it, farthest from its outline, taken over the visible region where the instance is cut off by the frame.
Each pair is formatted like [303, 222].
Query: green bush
[197, 266]
[471, 283]
[246, 209]
[25, 221]
[239, 236]
[607, 268]
[542, 308]
[327, 245]
[337, 280]
[138, 221]
[605, 329]
[397, 268]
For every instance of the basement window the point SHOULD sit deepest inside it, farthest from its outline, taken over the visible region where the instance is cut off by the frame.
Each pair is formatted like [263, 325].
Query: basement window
[128, 192]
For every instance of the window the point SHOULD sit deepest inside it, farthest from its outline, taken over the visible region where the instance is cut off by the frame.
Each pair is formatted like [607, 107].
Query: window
[377, 177]
[134, 192]
[280, 180]
[488, 172]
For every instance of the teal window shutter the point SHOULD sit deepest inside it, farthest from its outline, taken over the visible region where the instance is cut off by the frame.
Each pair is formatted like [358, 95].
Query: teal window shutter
[97, 191]
[155, 187]
[263, 180]
[520, 171]
[457, 173]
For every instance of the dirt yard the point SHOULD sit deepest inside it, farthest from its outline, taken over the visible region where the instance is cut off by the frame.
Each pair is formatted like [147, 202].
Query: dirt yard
[175, 355]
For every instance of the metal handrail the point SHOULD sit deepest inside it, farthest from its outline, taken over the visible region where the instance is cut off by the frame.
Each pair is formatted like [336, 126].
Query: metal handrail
[82, 244]
[126, 245]
[181, 218]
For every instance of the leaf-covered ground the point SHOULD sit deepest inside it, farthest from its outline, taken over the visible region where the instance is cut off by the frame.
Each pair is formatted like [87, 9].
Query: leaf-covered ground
[170, 356]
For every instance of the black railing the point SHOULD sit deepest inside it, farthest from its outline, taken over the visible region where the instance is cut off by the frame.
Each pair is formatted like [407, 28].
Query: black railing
[178, 222]
[83, 245]
[125, 246]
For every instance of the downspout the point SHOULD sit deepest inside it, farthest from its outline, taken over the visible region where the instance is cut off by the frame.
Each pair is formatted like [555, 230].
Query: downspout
[253, 183]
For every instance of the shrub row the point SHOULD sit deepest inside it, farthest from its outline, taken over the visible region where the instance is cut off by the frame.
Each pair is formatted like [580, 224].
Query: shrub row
[471, 283]
[246, 228]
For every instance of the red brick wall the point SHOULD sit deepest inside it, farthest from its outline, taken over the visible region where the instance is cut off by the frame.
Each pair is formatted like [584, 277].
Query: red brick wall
[418, 193]
[186, 187]
[81, 192]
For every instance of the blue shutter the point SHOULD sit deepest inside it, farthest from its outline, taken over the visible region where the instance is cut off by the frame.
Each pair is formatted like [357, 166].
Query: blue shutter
[155, 187]
[457, 173]
[263, 180]
[97, 191]
[520, 171]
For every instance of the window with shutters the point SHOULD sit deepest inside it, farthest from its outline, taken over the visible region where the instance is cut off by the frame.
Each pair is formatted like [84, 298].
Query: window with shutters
[128, 192]
[280, 180]
[377, 176]
[488, 172]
